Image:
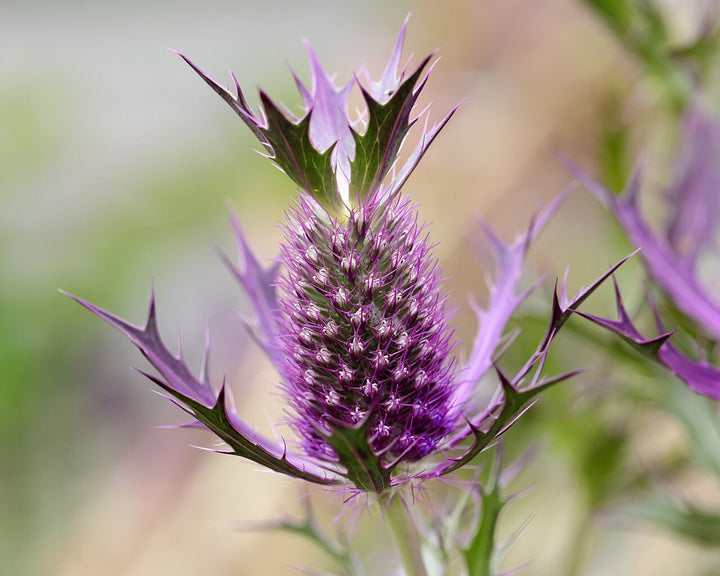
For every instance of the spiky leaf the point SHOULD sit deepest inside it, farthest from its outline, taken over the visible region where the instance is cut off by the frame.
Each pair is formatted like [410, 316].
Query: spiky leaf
[512, 400]
[700, 376]
[196, 397]
[309, 168]
[388, 123]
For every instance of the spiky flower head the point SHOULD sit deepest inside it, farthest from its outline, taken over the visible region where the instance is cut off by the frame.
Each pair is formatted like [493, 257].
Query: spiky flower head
[364, 330]
[352, 313]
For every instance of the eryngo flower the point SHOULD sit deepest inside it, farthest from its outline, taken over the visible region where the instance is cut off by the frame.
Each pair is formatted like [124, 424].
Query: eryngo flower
[352, 313]
[365, 334]
[674, 255]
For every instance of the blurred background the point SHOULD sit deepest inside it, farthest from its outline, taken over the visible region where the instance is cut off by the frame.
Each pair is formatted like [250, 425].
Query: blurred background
[117, 170]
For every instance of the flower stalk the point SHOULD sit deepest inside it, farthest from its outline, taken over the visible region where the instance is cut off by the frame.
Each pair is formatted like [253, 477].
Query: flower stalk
[406, 535]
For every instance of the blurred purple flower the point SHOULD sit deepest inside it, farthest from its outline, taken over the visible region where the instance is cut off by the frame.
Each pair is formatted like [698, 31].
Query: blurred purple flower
[352, 313]
[694, 198]
[673, 255]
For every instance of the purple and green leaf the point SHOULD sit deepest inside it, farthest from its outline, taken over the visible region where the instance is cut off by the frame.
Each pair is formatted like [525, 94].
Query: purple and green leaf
[700, 376]
[196, 396]
[326, 154]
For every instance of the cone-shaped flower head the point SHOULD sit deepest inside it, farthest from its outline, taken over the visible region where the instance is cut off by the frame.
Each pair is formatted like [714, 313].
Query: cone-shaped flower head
[364, 330]
[352, 313]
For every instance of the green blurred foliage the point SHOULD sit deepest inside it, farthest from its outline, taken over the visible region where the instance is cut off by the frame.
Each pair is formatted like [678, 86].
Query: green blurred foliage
[697, 525]
[645, 28]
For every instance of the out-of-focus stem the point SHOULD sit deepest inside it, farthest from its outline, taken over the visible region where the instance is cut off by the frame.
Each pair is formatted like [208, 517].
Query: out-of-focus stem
[577, 548]
[406, 535]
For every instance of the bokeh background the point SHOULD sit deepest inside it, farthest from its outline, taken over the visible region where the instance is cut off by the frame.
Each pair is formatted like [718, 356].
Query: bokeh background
[117, 169]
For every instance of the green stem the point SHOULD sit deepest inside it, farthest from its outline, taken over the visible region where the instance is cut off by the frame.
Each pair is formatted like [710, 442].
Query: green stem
[406, 535]
[479, 556]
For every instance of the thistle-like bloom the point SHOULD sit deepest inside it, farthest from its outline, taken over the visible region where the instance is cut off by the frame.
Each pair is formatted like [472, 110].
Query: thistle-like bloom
[675, 255]
[352, 314]
[365, 330]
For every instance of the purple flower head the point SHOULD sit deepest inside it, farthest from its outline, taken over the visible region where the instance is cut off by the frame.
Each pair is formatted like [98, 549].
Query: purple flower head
[352, 313]
[364, 330]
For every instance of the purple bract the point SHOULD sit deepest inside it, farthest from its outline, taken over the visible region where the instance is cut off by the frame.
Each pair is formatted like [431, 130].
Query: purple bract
[674, 255]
